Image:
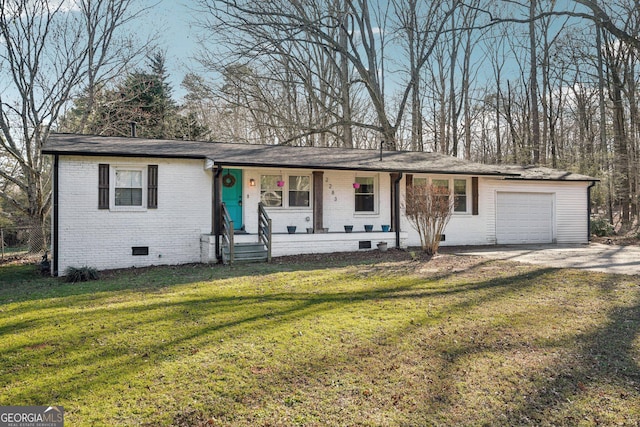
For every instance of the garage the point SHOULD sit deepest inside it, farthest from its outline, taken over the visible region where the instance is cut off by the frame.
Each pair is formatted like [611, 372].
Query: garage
[524, 218]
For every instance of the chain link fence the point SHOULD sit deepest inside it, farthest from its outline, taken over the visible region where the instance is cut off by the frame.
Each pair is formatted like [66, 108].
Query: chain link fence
[16, 242]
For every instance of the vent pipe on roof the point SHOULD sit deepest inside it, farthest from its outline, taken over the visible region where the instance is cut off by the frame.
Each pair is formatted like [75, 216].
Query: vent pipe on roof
[381, 145]
[133, 129]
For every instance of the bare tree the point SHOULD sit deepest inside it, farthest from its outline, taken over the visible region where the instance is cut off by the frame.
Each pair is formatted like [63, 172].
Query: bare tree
[616, 56]
[268, 32]
[429, 208]
[604, 19]
[409, 21]
[533, 83]
[48, 50]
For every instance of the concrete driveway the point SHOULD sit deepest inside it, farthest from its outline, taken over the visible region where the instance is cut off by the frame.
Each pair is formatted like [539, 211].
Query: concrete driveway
[594, 256]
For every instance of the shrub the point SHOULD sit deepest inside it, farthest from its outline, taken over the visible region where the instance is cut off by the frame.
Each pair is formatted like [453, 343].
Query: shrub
[429, 209]
[601, 227]
[82, 274]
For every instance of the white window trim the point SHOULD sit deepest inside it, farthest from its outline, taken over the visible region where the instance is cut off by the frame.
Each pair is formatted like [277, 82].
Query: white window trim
[376, 197]
[451, 179]
[112, 188]
[285, 192]
[467, 188]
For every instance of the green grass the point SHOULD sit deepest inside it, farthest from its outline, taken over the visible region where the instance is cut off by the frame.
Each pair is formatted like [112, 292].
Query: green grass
[453, 341]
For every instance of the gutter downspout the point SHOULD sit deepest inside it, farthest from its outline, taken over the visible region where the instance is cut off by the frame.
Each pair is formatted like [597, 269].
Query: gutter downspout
[215, 219]
[396, 208]
[54, 243]
[593, 183]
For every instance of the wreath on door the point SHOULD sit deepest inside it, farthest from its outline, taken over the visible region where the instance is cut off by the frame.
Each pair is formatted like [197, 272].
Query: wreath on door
[228, 180]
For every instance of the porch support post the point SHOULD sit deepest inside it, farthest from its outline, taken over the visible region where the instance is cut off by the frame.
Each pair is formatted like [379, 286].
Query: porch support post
[318, 209]
[395, 204]
[215, 211]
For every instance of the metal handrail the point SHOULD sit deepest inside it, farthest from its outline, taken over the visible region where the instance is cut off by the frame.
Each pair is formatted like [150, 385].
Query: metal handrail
[227, 232]
[264, 229]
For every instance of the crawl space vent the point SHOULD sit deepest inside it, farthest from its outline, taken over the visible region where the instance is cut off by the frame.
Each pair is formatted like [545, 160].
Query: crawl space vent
[139, 250]
[364, 244]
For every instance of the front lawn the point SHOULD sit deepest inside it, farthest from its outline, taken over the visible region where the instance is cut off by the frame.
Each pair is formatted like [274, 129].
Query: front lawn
[385, 341]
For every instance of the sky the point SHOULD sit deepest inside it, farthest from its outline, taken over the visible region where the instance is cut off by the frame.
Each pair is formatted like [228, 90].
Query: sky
[177, 34]
[174, 21]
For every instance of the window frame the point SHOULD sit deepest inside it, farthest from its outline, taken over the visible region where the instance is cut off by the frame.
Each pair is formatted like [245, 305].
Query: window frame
[286, 190]
[451, 186]
[454, 195]
[374, 193]
[269, 188]
[289, 191]
[143, 169]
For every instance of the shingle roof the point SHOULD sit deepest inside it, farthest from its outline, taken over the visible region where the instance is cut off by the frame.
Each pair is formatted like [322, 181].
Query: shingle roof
[280, 156]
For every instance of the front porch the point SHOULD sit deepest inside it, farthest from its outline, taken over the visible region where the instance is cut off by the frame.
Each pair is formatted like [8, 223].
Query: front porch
[284, 244]
[253, 210]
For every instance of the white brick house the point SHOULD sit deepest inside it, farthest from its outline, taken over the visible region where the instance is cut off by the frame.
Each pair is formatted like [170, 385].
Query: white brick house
[123, 202]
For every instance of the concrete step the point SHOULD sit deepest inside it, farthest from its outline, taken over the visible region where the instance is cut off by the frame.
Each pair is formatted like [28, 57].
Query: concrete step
[246, 252]
[248, 247]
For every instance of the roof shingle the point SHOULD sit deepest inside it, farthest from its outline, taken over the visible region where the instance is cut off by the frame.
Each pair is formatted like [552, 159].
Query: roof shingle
[281, 156]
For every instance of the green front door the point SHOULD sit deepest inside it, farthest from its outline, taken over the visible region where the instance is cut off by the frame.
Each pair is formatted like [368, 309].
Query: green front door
[232, 195]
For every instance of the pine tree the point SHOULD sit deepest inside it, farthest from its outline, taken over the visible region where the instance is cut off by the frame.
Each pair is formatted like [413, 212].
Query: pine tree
[144, 97]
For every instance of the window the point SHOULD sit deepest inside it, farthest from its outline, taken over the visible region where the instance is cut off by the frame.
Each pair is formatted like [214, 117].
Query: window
[420, 182]
[459, 195]
[270, 191]
[299, 191]
[292, 191]
[441, 186]
[128, 188]
[365, 194]
[445, 184]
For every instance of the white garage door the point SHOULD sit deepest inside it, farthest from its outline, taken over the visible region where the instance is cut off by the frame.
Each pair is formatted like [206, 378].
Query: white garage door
[524, 218]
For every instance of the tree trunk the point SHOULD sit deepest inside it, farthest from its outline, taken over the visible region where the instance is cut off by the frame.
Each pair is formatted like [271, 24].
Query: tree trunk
[345, 92]
[533, 85]
[453, 104]
[498, 135]
[620, 147]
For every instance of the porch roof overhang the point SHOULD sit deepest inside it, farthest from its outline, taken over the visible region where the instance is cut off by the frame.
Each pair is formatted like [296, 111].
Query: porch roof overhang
[280, 156]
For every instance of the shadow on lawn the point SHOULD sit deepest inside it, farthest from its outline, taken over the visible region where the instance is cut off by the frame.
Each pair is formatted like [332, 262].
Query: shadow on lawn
[91, 293]
[605, 355]
[164, 279]
[24, 283]
[106, 359]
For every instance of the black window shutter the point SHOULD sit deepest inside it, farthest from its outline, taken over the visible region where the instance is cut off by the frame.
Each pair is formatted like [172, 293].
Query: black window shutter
[152, 187]
[474, 195]
[103, 186]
